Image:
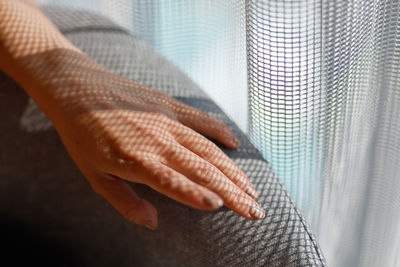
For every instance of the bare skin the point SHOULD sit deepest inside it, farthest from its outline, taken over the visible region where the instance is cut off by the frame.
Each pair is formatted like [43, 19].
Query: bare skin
[117, 130]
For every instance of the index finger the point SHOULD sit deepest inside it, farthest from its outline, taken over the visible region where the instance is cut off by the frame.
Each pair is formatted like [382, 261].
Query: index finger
[204, 173]
[207, 150]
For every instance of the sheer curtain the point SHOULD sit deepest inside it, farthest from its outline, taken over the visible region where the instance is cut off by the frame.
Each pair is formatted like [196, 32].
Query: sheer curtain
[316, 85]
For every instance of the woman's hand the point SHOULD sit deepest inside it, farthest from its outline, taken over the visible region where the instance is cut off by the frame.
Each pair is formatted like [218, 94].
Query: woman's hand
[117, 130]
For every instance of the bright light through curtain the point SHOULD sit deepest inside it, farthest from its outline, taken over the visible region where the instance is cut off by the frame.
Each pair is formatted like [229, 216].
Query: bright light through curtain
[316, 85]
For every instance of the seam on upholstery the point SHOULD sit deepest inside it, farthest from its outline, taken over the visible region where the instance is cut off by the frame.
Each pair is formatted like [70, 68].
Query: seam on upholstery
[96, 29]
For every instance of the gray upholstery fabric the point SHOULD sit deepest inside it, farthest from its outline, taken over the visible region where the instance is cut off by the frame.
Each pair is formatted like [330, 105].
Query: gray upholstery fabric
[50, 214]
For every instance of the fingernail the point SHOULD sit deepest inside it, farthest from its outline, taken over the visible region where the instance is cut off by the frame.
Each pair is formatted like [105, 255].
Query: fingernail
[213, 202]
[256, 213]
[236, 141]
[149, 225]
[250, 190]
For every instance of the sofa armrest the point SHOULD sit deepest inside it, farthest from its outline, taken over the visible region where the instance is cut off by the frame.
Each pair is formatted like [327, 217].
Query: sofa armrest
[43, 192]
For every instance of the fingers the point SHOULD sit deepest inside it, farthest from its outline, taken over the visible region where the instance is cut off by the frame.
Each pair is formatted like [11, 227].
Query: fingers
[122, 197]
[210, 152]
[202, 172]
[206, 124]
[172, 184]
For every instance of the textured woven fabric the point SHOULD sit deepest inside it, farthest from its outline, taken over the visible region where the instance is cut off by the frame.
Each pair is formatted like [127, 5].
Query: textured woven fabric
[44, 196]
[324, 111]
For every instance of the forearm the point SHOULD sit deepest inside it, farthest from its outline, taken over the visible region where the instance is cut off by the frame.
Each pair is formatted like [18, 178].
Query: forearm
[30, 48]
[26, 31]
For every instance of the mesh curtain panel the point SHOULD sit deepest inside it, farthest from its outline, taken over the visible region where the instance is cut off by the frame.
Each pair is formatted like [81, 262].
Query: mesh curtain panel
[324, 110]
[317, 86]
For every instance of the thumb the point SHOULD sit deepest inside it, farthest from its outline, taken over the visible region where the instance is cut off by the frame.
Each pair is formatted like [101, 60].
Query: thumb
[122, 197]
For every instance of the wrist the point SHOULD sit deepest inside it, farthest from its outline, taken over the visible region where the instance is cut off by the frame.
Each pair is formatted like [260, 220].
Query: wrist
[62, 82]
[27, 34]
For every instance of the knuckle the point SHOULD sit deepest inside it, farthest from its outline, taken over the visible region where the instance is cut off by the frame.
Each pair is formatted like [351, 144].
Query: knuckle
[241, 182]
[166, 179]
[157, 135]
[126, 157]
[211, 149]
[162, 142]
[163, 176]
[189, 191]
[171, 151]
[154, 168]
[235, 196]
[165, 182]
[205, 174]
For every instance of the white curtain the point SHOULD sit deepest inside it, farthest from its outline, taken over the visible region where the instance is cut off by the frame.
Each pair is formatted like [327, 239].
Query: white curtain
[316, 85]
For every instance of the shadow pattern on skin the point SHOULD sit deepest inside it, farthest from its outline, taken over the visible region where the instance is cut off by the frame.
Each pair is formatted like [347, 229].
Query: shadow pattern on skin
[116, 129]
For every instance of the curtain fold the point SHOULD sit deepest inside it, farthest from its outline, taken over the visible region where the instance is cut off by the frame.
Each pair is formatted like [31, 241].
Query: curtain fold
[316, 84]
[336, 148]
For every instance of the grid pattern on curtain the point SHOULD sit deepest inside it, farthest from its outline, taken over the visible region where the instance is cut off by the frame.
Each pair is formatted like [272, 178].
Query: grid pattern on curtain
[323, 99]
[325, 111]
[284, 48]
